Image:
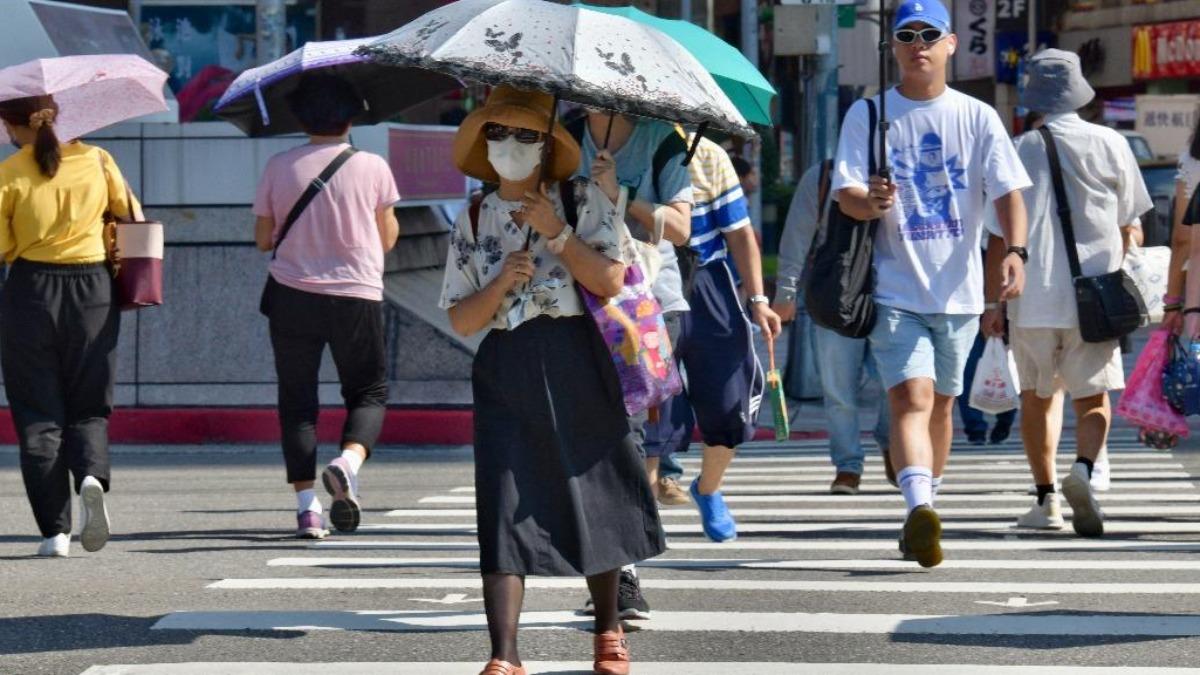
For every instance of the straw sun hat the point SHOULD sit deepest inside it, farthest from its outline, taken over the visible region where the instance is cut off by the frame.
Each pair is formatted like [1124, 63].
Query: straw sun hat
[513, 108]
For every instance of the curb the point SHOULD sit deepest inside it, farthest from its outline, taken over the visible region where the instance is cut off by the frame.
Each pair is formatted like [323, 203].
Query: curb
[199, 426]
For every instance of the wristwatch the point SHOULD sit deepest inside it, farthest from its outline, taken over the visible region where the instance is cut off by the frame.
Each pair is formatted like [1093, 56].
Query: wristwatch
[557, 244]
[756, 299]
[1021, 252]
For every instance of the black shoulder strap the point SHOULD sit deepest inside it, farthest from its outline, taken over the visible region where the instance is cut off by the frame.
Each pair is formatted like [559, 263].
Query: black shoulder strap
[873, 122]
[823, 184]
[314, 188]
[1060, 198]
[473, 212]
[669, 148]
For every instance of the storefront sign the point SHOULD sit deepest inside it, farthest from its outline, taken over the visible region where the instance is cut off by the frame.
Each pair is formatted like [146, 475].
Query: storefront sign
[1166, 50]
[1167, 121]
[420, 157]
[975, 25]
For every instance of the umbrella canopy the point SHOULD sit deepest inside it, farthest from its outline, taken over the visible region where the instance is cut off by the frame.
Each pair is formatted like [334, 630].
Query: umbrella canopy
[92, 91]
[257, 100]
[580, 55]
[738, 78]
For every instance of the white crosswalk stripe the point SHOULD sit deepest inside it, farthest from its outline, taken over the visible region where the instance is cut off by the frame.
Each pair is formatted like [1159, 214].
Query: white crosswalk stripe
[813, 559]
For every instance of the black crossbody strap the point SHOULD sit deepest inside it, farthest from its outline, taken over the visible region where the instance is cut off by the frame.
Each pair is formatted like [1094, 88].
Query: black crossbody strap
[314, 188]
[1060, 198]
[873, 116]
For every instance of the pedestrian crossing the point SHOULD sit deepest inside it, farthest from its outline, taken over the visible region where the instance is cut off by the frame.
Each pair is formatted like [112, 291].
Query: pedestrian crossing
[821, 572]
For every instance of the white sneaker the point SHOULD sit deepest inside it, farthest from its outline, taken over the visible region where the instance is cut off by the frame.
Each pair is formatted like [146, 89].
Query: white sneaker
[94, 534]
[1101, 476]
[58, 546]
[1086, 515]
[1044, 516]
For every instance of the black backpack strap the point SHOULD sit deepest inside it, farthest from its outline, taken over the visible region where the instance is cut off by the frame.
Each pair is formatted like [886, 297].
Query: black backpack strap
[314, 188]
[1060, 198]
[670, 147]
[566, 192]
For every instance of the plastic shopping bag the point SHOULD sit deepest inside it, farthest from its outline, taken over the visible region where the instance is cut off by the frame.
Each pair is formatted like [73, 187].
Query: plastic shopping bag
[996, 388]
[1148, 269]
[1142, 402]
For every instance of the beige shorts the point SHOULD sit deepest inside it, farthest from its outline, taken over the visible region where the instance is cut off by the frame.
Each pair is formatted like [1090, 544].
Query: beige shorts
[1049, 359]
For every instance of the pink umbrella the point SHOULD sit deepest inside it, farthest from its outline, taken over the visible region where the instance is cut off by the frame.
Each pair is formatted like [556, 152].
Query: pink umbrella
[92, 91]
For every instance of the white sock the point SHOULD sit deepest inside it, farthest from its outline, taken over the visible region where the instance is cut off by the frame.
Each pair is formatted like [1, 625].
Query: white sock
[354, 459]
[632, 569]
[935, 484]
[306, 500]
[916, 482]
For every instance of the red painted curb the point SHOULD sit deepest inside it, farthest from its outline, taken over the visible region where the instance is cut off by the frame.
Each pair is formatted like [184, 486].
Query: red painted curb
[198, 426]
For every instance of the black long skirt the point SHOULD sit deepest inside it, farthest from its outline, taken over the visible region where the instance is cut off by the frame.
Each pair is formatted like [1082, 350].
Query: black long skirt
[560, 488]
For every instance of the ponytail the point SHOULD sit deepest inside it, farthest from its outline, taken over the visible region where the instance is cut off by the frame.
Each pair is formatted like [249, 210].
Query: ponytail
[39, 114]
[46, 151]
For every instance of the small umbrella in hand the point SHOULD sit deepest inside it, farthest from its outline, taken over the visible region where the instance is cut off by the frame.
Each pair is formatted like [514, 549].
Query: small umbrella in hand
[775, 392]
[92, 92]
[256, 102]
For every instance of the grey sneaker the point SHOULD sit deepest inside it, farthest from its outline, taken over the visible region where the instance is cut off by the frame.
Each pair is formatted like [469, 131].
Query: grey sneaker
[1044, 516]
[94, 534]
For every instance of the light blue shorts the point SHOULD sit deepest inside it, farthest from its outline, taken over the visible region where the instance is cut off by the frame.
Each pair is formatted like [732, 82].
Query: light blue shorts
[908, 345]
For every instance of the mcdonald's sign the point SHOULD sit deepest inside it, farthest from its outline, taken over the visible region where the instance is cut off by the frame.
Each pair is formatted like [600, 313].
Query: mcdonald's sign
[1166, 50]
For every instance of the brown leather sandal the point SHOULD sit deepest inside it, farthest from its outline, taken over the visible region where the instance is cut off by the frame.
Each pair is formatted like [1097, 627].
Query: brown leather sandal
[498, 667]
[611, 653]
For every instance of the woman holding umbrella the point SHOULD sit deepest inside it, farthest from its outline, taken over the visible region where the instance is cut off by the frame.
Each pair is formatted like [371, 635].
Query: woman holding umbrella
[58, 333]
[560, 487]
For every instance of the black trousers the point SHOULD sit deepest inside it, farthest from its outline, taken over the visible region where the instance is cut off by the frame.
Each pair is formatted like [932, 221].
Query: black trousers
[302, 324]
[58, 351]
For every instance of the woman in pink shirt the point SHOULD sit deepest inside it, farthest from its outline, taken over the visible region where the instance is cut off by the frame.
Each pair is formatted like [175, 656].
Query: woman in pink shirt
[326, 288]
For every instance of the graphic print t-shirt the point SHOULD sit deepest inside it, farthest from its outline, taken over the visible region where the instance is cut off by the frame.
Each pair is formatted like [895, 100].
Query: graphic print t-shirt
[945, 154]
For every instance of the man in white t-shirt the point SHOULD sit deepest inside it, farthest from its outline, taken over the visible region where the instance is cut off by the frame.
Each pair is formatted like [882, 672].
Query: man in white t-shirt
[946, 150]
[1105, 194]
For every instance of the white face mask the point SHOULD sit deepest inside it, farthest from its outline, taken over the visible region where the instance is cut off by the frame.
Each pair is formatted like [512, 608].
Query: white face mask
[514, 161]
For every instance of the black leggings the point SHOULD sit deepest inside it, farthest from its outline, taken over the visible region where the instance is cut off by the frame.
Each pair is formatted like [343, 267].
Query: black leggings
[58, 347]
[301, 325]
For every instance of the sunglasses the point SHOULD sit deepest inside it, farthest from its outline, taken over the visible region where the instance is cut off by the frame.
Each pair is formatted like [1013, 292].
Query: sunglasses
[499, 132]
[928, 35]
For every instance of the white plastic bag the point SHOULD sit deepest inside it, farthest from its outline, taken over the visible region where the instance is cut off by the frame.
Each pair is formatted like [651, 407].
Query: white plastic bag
[996, 389]
[1148, 269]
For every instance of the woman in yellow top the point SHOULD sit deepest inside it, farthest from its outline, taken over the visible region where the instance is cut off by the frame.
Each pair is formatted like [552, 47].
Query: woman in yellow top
[58, 323]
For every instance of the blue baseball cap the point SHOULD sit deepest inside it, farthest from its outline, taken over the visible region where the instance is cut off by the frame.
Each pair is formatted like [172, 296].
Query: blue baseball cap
[930, 12]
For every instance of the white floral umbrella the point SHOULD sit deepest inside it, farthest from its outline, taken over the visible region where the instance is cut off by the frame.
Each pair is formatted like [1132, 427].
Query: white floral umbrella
[572, 52]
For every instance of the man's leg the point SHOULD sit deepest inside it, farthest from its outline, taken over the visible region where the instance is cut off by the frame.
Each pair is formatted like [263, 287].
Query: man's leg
[974, 425]
[1038, 437]
[841, 360]
[912, 404]
[1090, 371]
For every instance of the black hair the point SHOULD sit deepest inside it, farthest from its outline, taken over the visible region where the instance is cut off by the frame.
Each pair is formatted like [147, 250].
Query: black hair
[1195, 149]
[324, 104]
[1031, 118]
[741, 166]
[46, 151]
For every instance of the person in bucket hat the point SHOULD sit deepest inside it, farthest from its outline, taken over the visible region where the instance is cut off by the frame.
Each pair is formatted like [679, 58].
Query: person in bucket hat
[560, 487]
[1105, 194]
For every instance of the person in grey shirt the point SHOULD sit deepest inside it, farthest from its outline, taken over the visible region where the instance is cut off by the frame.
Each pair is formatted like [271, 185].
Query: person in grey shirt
[844, 362]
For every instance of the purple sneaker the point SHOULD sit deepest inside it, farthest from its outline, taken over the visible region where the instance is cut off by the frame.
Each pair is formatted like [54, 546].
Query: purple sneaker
[345, 513]
[309, 526]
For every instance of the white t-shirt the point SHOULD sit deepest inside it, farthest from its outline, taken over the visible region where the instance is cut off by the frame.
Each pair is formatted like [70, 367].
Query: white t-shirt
[944, 154]
[1105, 192]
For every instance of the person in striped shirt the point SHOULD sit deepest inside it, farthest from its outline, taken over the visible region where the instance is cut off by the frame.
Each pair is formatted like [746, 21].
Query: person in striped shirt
[716, 344]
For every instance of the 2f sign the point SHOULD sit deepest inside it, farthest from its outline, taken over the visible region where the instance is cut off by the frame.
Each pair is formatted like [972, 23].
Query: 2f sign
[1011, 9]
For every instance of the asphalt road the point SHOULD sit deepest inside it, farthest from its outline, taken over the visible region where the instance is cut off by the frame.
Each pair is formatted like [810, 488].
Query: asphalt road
[202, 571]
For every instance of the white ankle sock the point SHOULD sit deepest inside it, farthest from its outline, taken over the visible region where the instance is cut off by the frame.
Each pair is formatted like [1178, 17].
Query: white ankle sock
[935, 484]
[916, 483]
[306, 500]
[354, 459]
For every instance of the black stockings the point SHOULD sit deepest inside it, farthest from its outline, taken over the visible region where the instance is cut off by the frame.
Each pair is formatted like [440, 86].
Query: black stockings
[503, 595]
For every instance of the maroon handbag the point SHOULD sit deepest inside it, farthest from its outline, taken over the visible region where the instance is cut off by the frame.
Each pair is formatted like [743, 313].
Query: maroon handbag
[134, 253]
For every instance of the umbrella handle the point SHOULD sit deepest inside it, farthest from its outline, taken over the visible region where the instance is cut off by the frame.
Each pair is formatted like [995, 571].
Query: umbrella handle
[547, 150]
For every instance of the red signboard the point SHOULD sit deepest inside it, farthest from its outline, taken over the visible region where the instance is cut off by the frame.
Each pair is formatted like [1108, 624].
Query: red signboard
[421, 161]
[1166, 50]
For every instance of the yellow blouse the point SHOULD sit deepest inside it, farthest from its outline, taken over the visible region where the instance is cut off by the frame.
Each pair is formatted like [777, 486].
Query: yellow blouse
[60, 219]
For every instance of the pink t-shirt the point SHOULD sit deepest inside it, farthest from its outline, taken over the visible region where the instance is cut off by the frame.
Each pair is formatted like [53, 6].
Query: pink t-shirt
[334, 247]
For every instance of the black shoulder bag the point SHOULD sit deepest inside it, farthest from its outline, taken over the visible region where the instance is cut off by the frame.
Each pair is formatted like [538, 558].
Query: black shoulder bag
[839, 279]
[1109, 305]
[314, 188]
